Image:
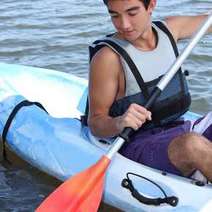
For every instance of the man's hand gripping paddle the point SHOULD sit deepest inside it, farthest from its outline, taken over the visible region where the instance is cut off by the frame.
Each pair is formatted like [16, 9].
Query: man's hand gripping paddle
[83, 191]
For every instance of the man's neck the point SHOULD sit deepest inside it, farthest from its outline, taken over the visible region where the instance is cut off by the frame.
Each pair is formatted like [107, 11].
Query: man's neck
[146, 42]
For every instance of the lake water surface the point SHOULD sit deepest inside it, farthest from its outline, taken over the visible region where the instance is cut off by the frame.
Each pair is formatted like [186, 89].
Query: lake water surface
[56, 34]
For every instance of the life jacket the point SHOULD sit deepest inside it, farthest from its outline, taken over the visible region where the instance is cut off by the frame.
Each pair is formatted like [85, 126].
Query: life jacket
[173, 101]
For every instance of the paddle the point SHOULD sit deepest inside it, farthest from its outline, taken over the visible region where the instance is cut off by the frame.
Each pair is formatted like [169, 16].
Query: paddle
[83, 191]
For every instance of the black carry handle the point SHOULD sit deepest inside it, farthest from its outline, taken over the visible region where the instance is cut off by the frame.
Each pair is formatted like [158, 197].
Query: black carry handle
[171, 200]
[128, 131]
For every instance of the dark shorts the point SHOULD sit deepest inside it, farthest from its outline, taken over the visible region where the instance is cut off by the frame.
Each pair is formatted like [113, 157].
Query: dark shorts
[203, 126]
[150, 147]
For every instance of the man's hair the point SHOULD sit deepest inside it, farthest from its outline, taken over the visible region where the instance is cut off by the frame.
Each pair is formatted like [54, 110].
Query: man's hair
[146, 2]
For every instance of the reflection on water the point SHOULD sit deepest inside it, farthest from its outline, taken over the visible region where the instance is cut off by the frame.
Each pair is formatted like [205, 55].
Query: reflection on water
[22, 189]
[56, 34]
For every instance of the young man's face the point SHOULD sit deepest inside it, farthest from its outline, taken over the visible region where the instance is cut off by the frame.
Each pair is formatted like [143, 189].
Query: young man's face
[130, 17]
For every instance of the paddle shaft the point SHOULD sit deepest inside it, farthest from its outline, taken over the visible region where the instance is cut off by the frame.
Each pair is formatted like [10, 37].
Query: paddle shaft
[124, 136]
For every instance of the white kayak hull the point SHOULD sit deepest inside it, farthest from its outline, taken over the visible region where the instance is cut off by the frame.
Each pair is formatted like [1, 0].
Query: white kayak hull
[57, 144]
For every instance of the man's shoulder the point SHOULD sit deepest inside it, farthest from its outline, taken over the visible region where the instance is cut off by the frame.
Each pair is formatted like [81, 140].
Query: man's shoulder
[105, 52]
[107, 61]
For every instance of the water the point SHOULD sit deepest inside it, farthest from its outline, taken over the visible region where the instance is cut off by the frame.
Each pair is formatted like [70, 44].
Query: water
[56, 34]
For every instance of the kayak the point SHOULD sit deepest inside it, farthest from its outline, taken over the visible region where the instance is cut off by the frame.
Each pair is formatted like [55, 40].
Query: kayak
[55, 142]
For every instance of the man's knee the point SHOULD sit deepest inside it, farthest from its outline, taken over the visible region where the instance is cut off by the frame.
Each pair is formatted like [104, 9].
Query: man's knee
[183, 150]
[187, 143]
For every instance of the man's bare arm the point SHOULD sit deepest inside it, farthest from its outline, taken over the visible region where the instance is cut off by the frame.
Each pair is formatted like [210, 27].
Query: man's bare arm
[104, 89]
[185, 26]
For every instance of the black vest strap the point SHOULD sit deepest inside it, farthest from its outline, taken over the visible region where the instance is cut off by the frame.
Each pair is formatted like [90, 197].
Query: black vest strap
[163, 27]
[11, 117]
[84, 118]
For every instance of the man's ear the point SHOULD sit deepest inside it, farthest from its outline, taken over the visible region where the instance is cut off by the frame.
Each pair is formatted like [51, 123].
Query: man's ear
[152, 6]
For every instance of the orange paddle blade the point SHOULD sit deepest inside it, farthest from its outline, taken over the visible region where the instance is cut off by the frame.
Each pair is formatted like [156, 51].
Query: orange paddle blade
[79, 193]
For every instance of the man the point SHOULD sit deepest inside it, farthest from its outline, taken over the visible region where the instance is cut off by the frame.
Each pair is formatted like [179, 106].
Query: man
[168, 145]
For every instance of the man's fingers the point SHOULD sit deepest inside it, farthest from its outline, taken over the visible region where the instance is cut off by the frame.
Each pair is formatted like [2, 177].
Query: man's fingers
[140, 112]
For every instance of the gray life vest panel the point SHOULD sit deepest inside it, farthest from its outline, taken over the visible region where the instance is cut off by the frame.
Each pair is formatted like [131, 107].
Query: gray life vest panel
[173, 101]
